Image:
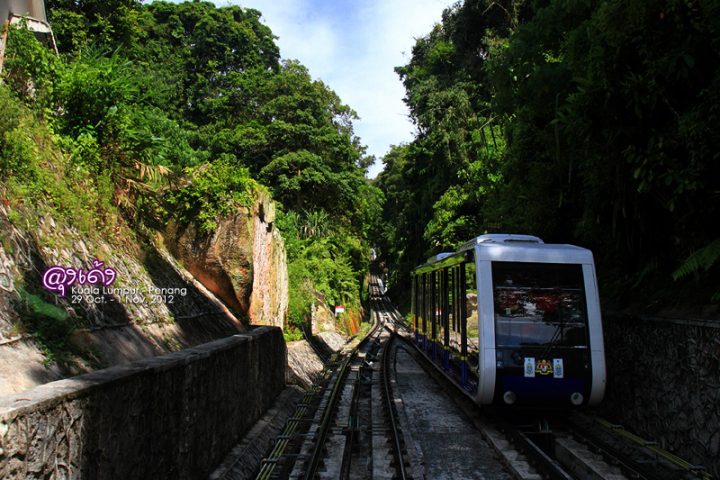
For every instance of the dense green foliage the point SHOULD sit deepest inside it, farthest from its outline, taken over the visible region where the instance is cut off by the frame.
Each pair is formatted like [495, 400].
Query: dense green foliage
[591, 122]
[325, 261]
[182, 112]
[215, 190]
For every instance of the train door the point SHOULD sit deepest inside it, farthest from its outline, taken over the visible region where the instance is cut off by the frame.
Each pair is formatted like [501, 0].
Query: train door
[469, 323]
[417, 306]
[486, 333]
[459, 321]
[434, 314]
[445, 310]
[424, 310]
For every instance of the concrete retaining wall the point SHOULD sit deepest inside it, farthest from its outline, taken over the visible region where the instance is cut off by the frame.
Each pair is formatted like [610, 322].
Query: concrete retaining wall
[173, 417]
[664, 384]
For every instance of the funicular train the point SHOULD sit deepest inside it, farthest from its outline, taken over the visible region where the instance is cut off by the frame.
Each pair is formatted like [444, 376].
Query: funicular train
[513, 321]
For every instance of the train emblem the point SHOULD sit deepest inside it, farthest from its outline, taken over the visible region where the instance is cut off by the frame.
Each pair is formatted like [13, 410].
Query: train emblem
[544, 367]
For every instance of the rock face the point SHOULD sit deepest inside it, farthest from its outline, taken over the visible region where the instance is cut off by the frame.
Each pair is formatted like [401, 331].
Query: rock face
[99, 330]
[221, 261]
[242, 262]
[322, 319]
[269, 298]
[304, 365]
[333, 341]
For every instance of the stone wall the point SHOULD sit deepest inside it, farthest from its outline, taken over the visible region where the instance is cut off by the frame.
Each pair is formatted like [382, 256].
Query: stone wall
[664, 384]
[174, 416]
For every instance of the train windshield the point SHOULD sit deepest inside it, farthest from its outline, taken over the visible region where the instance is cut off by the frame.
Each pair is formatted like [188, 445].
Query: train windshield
[539, 304]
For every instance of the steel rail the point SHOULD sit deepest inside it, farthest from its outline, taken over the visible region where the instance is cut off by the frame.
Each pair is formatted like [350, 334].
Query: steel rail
[269, 464]
[392, 413]
[683, 464]
[350, 436]
[550, 467]
[671, 469]
[331, 406]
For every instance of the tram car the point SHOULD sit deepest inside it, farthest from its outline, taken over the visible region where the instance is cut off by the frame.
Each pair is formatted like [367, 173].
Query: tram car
[513, 321]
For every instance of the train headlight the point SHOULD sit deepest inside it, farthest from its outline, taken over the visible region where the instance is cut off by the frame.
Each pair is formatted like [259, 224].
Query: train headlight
[576, 398]
[509, 397]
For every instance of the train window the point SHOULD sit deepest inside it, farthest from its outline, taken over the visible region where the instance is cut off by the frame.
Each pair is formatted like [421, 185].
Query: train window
[452, 300]
[539, 304]
[414, 305]
[471, 313]
[456, 313]
[439, 307]
[423, 323]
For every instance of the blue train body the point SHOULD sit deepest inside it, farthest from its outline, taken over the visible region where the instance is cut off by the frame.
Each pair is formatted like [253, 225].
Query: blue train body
[513, 321]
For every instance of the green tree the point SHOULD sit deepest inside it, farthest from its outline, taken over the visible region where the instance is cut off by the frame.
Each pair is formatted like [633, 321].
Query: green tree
[592, 122]
[175, 111]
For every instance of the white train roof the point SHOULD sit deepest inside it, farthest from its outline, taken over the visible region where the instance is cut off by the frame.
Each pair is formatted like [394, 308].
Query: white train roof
[500, 238]
[514, 248]
[533, 252]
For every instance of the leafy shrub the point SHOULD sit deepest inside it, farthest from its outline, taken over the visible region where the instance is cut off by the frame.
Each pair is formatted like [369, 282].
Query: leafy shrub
[215, 189]
[700, 260]
[146, 133]
[320, 260]
[293, 335]
[11, 110]
[86, 150]
[300, 294]
[91, 89]
[19, 151]
[31, 67]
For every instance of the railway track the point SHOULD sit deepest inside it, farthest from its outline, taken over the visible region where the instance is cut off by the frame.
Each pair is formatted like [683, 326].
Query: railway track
[349, 427]
[581, 447]
[351, 430]
[570, 446]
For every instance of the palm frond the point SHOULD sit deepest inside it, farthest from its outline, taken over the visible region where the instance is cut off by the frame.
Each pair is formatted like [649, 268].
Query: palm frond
[703, 258]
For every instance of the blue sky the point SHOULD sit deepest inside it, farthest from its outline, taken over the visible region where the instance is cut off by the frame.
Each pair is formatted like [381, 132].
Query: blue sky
[353, 46]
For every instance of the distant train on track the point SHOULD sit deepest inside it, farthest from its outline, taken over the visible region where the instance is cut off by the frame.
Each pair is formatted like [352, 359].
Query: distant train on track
[513, 321]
